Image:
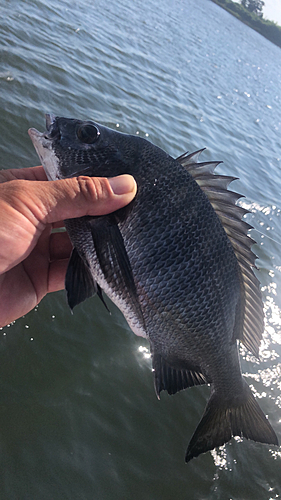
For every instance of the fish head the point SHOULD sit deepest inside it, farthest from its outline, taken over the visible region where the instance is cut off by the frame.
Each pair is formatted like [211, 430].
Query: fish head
[71, 147]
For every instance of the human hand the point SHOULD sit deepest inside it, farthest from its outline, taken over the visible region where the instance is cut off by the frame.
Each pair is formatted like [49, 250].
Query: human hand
[33, 260]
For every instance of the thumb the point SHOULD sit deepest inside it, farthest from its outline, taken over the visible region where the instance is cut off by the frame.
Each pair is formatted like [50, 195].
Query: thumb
[76, 197]
[54, 201]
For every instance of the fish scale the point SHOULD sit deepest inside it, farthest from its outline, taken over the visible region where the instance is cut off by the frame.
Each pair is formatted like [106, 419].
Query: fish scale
[177, 262]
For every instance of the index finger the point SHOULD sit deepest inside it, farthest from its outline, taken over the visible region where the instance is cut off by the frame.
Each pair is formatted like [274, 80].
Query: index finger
[29, 174]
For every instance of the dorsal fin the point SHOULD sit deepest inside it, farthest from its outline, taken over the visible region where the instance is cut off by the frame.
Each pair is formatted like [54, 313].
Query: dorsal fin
[224, 203]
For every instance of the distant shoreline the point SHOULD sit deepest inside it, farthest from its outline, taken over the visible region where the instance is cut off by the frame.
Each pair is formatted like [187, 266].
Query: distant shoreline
[268, 29]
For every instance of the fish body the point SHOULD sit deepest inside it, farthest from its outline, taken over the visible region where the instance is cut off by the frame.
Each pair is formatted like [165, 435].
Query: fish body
[177, 262]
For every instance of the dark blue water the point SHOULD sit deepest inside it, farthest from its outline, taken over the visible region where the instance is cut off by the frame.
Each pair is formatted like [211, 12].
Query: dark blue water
[79, 419]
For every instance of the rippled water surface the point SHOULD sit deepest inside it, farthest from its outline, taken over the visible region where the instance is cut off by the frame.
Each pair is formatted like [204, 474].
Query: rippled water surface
[79, 419]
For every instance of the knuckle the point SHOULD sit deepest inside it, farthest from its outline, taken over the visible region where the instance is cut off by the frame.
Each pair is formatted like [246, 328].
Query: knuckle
[20, 196]
[11, 191]
[93, 189]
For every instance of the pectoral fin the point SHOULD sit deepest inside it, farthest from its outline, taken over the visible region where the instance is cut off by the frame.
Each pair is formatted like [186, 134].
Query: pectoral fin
[114, 261]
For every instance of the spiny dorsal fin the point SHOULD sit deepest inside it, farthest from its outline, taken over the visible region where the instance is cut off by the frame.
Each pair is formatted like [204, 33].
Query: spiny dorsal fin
[223, 202]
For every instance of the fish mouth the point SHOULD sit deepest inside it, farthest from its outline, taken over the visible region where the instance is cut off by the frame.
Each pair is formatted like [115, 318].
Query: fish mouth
[43, 144]
[50, 120]
[53, 131]
[45, 138]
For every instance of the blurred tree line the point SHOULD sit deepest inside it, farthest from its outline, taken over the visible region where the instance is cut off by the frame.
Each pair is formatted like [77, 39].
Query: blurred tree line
[254, 6]
[250, 13]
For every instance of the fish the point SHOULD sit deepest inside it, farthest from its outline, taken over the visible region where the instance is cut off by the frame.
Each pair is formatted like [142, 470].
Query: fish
[177, 261]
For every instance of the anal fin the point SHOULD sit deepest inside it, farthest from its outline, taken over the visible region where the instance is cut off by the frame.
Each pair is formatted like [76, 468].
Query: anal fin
[172, 380]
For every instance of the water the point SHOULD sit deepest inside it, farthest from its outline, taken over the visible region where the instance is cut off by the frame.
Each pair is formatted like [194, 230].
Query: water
[78, 416]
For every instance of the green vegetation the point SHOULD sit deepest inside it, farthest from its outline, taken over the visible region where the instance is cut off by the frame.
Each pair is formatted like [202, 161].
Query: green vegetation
[255, 6]
[268, 29]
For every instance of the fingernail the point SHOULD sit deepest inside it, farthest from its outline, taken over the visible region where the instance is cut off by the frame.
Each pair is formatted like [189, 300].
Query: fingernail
[122, 184]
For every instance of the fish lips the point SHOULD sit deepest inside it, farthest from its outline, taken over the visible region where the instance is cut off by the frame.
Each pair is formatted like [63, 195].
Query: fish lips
[50, 121]
[51, 132]
[43, 144]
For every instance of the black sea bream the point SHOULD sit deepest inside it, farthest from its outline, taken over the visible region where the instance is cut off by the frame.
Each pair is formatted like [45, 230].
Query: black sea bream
[177, 262]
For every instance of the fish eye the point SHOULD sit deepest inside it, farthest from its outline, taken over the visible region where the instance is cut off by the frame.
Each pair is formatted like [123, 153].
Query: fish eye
[88, 133]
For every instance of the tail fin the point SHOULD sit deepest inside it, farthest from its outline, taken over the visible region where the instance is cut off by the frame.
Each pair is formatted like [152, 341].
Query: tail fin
[224, 419]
